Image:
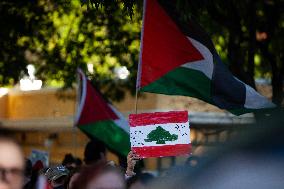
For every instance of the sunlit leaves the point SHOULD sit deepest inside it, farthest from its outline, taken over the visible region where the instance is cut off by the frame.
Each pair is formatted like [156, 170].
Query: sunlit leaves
[79, 37]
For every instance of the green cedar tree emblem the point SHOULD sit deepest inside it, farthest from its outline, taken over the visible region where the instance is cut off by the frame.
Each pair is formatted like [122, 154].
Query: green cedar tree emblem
[160, 135]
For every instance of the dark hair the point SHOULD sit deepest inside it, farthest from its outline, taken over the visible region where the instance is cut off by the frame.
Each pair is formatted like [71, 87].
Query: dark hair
[78, 161]
[93, 151]
[68, 158]
[6, 137]
[28, 167]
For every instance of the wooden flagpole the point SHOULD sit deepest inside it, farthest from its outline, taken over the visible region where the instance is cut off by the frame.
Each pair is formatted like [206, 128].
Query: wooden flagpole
[140, 59]
[136, 100]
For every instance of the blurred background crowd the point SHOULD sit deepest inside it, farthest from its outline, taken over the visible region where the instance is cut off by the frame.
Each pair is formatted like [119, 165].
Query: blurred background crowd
[254, 158]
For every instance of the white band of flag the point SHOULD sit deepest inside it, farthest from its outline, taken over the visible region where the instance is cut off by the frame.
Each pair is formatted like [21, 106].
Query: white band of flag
[181, 130]
[160, 134]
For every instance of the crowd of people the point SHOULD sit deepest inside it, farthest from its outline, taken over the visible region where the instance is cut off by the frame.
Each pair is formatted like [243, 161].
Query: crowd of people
[95, 172]
[254, 158]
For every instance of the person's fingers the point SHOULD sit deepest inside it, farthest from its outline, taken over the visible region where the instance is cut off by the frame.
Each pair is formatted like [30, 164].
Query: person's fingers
[136, 157]
[130, 154]
[132, 158]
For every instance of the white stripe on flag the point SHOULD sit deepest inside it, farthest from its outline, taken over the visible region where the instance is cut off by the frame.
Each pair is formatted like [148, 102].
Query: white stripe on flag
[121, 121]
[205, 66]
[139, 134]
[83, 85]
[256, 101]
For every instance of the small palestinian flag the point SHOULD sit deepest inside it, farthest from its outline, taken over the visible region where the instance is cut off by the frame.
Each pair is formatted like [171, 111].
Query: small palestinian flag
[177, 57]
[99, 119]
[160, 134]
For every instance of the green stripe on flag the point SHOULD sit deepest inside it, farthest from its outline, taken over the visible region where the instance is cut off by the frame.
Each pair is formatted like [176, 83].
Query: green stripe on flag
[182, 81]
[108, 132]
[241, 111]
[244, 110]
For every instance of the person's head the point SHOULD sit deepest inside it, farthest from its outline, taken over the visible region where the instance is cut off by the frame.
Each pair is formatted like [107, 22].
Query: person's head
[68, 160]
[71, 162]
[95, 151]
[100, 175]
[56, 175]
[140, 181]
[12, 164]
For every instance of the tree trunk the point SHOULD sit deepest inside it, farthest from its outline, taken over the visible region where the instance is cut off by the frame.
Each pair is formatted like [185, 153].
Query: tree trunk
[277, 77]
[236, 57]
[252, 44]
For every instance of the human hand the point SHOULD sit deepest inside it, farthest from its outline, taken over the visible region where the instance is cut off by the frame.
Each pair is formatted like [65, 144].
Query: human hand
[132, 159]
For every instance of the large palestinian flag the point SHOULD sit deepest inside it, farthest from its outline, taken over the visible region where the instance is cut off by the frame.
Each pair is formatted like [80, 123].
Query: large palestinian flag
[97, 118]
[179, 58]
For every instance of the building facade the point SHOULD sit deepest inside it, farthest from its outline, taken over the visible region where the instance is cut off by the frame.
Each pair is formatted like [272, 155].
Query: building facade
[44, 120]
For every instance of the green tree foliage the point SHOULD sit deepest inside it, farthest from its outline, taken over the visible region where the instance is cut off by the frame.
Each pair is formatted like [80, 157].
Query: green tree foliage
[247, 35]
[107, 4]
[160, 135]
[19, 21]
[59, 36]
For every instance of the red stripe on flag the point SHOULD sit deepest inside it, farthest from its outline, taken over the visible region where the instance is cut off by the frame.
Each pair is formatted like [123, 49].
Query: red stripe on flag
[161, 151]
[95, 107]
[164, 46]
[158, 118]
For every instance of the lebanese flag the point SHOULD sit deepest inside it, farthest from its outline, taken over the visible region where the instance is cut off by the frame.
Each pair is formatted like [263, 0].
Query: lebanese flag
[160, 134]
[98, 118]
[177, 57]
